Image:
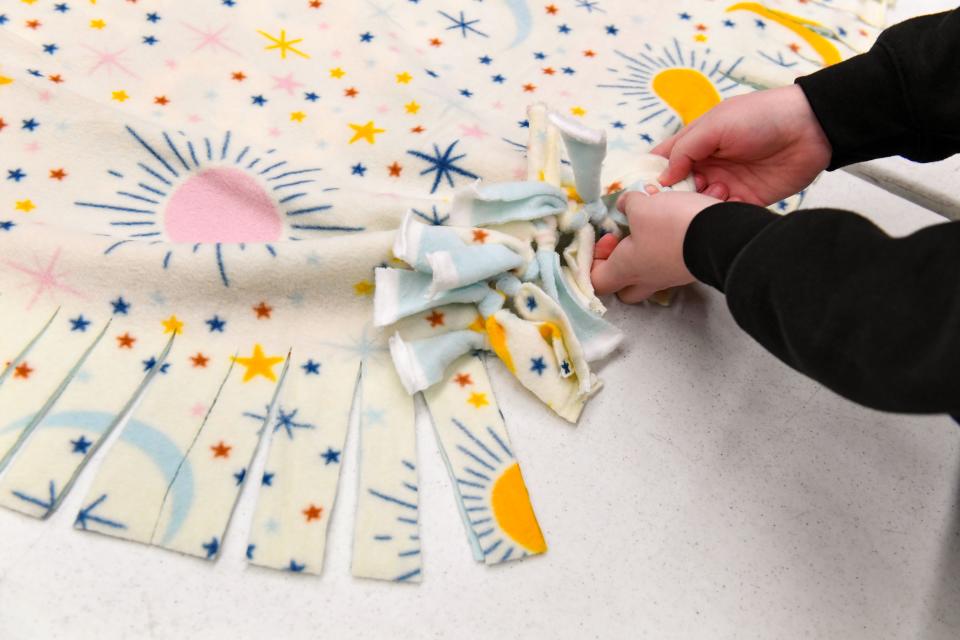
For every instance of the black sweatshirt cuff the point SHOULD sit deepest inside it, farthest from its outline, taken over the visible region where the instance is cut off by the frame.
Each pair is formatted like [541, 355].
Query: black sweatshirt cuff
[717, 235]
[862, 107]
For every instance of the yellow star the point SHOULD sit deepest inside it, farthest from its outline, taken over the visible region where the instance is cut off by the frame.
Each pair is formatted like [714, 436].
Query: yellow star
[28, 1]
[6, 80]
[404, 78]
[412, 106]
[700, 37]
[363, 288]
[283, 44]
[97, 24]
[578, 111]
[337, 73]
[172, 325]
[25, 205]
[120, 96]
[365, 132]
[298, 116]
[478, 399]
[259, 364]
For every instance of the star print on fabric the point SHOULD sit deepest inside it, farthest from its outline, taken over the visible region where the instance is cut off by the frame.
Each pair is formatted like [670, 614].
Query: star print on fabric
[330, 456]
[478, 400]
[211, 547]
[366, 37]
[258, 100]
[149, 40]
[211, 38]
[259, 364]
[240, 476]
[216, 324]
[365, 132]
[565, 367]
[79, 323]
[161, 100]
[286, 420]
[463, 379]
[551, 9]
[537, 365]
[358, 169]
[442, 165]
[120, 96]
[152, 362]
[7, 225]
[24, 205]
[282, 44]
[297, 116]
[310, 96]
[310, 367]
[120, 306]
[47, 280]
[480, 236]
[267, 479]
[97, 23]
[153, 17]
[395, 169]
[411, 107]
[125, 341]
[16, 174]
[296, 567]
[263, 310]
[199, 360]
[172, 325]
[81, 445]
[337, 73]
[221, 450]
[350, 92]
[531, 303]
[22, 371]
[404, 78]
[57, 174]
[312, 512]
[465, 26]
[239, 76]
[435, 318]
[363, 288]
[434, 217]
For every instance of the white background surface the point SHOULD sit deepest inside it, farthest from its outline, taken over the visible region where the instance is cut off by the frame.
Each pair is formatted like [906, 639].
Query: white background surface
[709, 492]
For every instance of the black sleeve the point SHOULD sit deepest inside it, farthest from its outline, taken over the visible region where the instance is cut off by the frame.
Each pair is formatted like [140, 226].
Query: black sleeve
[874, 318]
[900, 98]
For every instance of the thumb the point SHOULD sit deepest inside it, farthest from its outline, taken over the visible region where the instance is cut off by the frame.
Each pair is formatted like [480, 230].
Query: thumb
[698, 144]
[614, 273]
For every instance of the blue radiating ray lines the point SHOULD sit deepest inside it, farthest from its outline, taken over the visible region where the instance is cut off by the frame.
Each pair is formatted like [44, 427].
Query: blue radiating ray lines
[392, 499]
[462, 24]
[442, 164]
[175, 150]
[226, 145]
[152, 151]
[86, 515]
[47, 504]
[434, 217]
[414, 550]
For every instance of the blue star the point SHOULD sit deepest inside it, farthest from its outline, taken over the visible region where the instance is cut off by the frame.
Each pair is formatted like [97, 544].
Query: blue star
[6, 225]
[432, 74]
[286, 421]
[120, 306]
[466, 93]
[485, 59]
[434, 218]
[250, 548]
[228, 3]
[729, 23]
[16, 174]
[152, 362]
[589, 5]
[50, 48]
[564, 29]
[568, 71]
[531, 303]
[330, 456]
[267, 479]
[443, 165]
[498, 78]
[150, 40]
[841, 31]
[3, 18]
[524, 124]
[538, 365]
[566, 367]
[760, 23]
[216, 324]
[211, 547]
[311, 96]
[646, 138]
[30, 124]
[62, 7]
[358, 169]
[684, 16]
[366, 37]
[539, 55]
[462, 23]
[259, 100]
[612, 29]
[618, 125]
[296, 568]
[311, 367]
[79, 323]
[153, 17]
[81, 445]
[35, 73]
[240, 476]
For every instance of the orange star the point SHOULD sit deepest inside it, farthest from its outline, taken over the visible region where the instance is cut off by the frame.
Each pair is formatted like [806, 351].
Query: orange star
[463, 379]
[701, 27]
[22, 370]
[529, 88]
[57, 174]
[435, 319]
[263, 310]
[589, 53]
[161, 100]
[312, 512]
[417, 129]
[239, 76]
[221, 450]
[551, 9]
[2, 124]
[316, 4]
[549, 71]
[33, 24]
[435, 42]
[199, 360]
[395, 169]
[479, 235]
[614, 186]
[350, 93]
[125, 341]
[794, 47]
[55, 78]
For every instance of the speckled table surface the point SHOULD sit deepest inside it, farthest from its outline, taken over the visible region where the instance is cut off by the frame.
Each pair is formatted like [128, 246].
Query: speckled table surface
[709, 492]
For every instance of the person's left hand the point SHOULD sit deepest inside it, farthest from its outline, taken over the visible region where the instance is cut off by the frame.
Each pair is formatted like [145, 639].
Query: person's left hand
[651, 257]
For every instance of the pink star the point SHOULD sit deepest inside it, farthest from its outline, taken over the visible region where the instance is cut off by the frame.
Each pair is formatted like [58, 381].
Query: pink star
[273, 132]
[286, 83]
[211, 38]
[109, 60]
[46, 278]
[498, 105]
[519, 173]
[32, 147]
[45, 96]
[323, 26]
[336, 53]
[565, 93]
[383, 108]
[198, 409]
[194, 118]
[473, 131]
[172, 64]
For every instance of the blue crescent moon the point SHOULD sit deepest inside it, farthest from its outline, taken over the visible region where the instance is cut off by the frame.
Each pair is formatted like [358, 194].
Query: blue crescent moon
[521, 15]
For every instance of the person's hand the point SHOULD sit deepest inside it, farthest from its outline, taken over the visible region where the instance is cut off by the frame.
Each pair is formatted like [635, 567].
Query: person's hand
[758, 148]
[651, 257]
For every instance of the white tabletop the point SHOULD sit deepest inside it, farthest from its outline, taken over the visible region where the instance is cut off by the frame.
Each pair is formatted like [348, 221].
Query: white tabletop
[709, 492]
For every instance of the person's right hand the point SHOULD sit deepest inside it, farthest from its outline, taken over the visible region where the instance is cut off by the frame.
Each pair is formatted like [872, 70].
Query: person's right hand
[758, 148]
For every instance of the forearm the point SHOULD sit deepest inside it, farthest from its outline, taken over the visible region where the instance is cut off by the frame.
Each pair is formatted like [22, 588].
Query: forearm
[873, 318]
[900, 98]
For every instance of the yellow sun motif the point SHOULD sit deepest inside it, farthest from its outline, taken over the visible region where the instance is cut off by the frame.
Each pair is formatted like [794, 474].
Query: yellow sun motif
[259, 364]
[173, 325]
[513, 511]
[799, 26]
[365, 132]
[282, 44]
